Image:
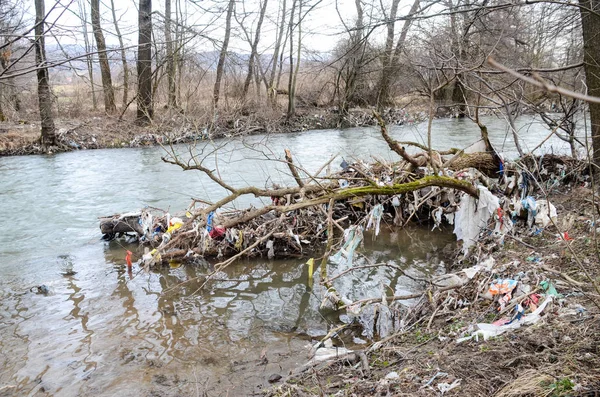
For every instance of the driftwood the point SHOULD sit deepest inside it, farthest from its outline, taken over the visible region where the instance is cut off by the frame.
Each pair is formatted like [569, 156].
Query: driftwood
[116, 224]
[300, 219]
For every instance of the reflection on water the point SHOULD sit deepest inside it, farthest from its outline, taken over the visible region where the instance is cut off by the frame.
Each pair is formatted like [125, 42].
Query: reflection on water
[101, 332]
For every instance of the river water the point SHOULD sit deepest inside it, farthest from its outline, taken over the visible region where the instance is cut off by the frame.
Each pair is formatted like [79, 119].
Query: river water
[99, 332]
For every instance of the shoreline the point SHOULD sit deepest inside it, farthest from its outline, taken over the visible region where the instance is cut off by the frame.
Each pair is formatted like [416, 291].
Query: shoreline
[18, 139]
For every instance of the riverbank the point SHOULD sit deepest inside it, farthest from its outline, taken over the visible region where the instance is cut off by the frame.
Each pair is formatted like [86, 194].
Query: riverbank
[100, 132]
[555, 354]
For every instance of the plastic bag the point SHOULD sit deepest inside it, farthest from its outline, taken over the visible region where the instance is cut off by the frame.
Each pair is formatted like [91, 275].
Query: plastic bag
[473, 215]
[375, 218]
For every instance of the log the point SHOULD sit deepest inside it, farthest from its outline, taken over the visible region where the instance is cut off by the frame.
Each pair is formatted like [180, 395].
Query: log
[485, 162]
[121, 224]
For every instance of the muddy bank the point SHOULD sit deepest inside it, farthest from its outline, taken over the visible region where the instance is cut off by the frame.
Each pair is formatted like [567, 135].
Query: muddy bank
[22, 138]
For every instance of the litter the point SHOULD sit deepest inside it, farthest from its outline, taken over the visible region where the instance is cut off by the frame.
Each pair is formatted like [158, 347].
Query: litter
[375, 218]
[487, 331]
[473, 215]
[501, 286]
[352, 237]
[446, 387]
[549, 289]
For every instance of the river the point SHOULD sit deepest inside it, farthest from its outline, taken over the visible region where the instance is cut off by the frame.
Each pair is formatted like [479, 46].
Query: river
[98, 332]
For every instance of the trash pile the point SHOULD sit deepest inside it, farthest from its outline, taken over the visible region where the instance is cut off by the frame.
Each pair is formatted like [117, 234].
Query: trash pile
[330, 212]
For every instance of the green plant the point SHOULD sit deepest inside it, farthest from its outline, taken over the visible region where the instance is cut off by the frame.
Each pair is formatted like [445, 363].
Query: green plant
[561, 387]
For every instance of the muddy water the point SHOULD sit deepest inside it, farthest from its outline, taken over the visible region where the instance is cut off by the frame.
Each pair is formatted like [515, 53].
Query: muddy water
[100, 332]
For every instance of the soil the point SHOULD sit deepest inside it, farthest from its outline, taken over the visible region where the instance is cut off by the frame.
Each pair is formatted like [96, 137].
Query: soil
[557, 356]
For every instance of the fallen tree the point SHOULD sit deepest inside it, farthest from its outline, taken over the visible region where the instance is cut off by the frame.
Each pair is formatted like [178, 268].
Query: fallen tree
[296, 222]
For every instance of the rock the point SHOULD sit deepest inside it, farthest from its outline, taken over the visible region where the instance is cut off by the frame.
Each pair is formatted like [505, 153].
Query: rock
[274, 378]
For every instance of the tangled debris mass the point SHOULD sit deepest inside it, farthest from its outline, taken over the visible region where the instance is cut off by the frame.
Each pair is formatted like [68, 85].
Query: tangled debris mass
[517, 253]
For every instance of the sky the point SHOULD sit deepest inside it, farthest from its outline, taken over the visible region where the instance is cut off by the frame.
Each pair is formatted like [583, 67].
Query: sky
[321, 29]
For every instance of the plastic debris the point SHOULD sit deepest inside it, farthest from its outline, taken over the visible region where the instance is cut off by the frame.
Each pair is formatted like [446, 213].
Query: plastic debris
[473, 215]
[530, 205]
[128, 259]
[437, 375]
[549, 289]
[540, 212]
[41, 290]
[209, 220]
[392, 375]
[546, 213]
[437, 218]
[310, 263]
[344, 164]
[502, 286]
[446, 387]
[271, 252]
[375, 218]
[487, 331]
[174, 224]
[352, 237]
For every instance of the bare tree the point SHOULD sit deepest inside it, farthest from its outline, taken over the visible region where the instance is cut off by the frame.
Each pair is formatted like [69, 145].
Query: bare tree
[590, 24]
[89, 59]
[109, 94]
[291, 110]
[145, 111]
[391, 52]
[272, 88]
[48, 137]
[172, 95]
[223, 54]
[253, 51]
[123, 55]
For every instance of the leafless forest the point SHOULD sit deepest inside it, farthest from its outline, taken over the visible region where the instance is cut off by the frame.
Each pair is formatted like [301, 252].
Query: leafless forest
[216, 61]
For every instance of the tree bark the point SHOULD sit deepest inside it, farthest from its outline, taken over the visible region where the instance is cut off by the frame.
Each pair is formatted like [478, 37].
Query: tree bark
[109, 94]
[385, 79]
[172, 95]
[145, 111]
[590, 26]
[123, 55]
[48, 137]
[291, 86]
[222, 55]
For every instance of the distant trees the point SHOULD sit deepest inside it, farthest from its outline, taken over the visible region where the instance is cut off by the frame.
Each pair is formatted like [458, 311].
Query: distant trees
[388, 53]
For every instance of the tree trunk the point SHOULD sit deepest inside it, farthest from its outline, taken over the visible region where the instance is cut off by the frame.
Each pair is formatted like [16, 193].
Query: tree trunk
[253, 52]
[590, 26]
[48, 137]
[144, 64]
[458, 97]
[291, 97]
[109, 94]
[172, 95]
[222, 55]
[123, 55]
[271, 89]
[383, 94]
